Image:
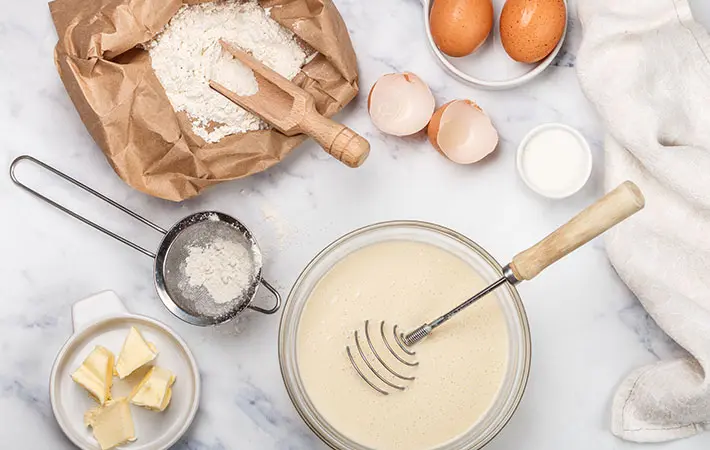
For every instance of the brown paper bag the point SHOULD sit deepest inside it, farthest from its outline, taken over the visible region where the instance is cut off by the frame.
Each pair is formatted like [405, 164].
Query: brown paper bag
[125, 108]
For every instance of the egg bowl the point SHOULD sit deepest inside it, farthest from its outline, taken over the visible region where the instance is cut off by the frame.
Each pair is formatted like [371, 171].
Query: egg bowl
[481, 430]
[490, 67]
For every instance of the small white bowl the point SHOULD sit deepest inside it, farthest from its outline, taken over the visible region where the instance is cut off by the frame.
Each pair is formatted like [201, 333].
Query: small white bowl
[102, 319]
[583, 144]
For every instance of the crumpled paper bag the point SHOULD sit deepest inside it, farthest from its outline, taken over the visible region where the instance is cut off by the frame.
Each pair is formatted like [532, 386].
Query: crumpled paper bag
[125, 108]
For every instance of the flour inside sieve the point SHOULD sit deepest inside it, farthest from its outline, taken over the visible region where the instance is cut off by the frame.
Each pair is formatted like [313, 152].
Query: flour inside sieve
[212, 269]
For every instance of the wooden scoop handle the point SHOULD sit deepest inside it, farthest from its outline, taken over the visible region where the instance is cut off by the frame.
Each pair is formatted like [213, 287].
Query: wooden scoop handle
[614, 207]
[338, 140]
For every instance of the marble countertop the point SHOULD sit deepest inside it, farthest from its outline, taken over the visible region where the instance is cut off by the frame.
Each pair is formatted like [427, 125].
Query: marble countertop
[588, 330]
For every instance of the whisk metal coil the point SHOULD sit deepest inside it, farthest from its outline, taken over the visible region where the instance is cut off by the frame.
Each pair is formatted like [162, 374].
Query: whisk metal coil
[371, 362]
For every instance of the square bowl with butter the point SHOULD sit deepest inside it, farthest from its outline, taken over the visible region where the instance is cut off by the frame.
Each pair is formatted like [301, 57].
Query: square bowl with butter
[122, 380]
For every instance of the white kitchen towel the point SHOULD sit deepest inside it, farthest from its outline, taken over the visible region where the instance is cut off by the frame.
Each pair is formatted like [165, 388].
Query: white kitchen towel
[645, 65]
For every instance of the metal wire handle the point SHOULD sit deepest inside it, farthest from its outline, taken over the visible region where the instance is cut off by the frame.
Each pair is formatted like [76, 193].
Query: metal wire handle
[277, 302]
[75, 215]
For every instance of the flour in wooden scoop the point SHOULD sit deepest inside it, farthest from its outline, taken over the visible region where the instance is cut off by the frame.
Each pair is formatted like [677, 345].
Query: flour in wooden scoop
[187, 54]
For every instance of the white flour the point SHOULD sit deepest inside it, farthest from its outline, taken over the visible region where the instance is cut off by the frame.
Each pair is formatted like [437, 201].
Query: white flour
[223, 267]
[187, 54]
[282, 228]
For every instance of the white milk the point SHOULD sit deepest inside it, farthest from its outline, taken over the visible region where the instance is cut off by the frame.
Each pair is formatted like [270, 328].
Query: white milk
[555, 162]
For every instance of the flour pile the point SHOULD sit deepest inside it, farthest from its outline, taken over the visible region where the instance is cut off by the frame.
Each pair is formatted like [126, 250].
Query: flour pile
[187, 54]
[224, 268]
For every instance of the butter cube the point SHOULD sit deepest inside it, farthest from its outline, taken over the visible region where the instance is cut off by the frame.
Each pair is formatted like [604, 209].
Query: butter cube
[111, 423]
[135, 353]
[155, 390]
[96, 374]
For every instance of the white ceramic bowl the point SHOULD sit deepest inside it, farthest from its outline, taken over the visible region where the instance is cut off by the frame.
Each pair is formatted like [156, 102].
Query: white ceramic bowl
[102, 319]
[583, 144]
[490, 67]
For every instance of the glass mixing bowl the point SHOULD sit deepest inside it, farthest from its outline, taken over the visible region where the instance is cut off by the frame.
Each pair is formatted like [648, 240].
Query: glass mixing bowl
[511, 392]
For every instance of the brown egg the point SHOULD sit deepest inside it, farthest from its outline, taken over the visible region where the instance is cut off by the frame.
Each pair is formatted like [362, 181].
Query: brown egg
[530, 29]
[459, 27]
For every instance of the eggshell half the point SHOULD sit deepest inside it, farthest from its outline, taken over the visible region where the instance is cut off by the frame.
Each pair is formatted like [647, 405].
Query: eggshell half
[462, 132]
[400, 104]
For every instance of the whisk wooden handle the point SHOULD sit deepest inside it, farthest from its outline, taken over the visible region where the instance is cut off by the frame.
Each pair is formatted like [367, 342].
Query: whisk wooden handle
[616, 206]
[338, 140]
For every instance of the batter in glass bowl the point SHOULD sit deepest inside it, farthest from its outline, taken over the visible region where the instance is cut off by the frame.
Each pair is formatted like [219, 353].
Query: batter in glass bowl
[462, 365]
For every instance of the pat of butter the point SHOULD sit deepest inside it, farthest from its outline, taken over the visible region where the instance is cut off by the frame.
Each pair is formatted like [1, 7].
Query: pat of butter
[135, 353]
[96, 374]
[112, 423]
[155, 390]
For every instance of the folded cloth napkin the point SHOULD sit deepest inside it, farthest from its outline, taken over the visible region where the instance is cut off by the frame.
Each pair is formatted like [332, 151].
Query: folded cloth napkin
[645, 65]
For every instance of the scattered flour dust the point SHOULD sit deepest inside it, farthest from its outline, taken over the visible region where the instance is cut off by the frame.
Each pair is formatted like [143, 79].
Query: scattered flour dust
[282, 229]
[223, 267]
[187, 54]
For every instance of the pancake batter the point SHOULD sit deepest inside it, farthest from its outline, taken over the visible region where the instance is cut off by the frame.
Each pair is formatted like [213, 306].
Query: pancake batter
[462, 365]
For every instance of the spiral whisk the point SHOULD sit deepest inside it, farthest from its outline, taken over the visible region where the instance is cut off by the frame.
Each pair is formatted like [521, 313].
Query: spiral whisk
[614, 207]
[383, 361]
[374, 369]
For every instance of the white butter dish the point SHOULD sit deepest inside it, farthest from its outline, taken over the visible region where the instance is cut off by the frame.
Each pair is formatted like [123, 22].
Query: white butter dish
[102, 319]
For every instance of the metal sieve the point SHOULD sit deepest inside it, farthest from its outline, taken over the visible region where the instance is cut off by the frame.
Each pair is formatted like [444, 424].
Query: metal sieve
[193, 304]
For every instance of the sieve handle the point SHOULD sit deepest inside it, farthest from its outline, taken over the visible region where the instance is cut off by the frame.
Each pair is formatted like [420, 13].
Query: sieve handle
[616, 206]
[75, 215]
[277, 296]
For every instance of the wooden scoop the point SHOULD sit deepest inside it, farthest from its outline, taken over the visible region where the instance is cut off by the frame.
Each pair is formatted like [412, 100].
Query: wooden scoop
[291, 110]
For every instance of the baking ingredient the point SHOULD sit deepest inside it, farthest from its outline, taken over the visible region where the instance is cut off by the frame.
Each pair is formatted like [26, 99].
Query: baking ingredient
[187, 54]
[96, 374]
[283, 230]
[400, 104]
[461, 367]
[459, 27]
[135, 353]
[155, 390]
[111, 423]
[232, 74]
[223, 267]
[462, 132]
[555, 162]
[531, 29]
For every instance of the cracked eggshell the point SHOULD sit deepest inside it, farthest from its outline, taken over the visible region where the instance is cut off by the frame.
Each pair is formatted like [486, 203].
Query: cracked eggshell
[400, 104]
[462, 132]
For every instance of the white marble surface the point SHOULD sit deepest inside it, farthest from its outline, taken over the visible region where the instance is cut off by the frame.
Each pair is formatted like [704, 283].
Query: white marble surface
[588, 330]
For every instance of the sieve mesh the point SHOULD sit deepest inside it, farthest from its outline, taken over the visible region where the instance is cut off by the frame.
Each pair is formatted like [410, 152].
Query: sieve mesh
[196, 300]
